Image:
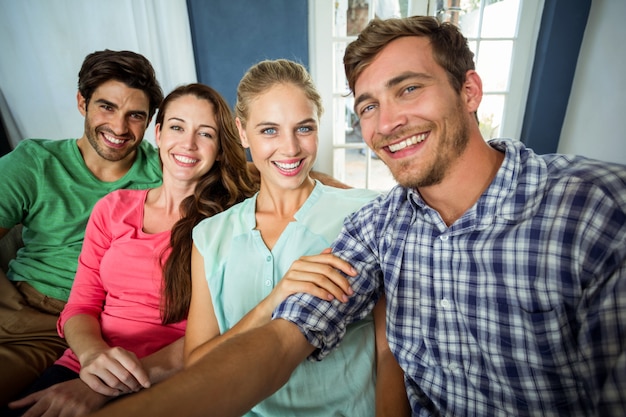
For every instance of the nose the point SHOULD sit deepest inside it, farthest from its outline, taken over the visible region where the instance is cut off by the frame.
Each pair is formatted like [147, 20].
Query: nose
[390, 118]
[119, 124]
[290, 145]
[189, 140]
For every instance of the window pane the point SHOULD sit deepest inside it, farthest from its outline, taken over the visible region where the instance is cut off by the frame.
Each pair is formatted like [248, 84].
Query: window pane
[500, 19]
[490, 115]
[341, 18]
[340, 84]
[378, 175]
[468, 16]
[494, 64]
[351, 16]
[357, 16]
[390, 8]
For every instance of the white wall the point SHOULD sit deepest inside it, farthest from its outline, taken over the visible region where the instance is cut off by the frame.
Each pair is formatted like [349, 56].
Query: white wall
[44, 43]
[595, 122]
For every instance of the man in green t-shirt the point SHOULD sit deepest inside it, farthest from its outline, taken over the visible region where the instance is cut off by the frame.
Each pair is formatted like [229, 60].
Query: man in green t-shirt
[50, 187]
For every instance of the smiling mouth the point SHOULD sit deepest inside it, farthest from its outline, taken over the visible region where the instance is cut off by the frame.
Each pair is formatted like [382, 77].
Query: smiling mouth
[413, 140]
[113, 140]
[288, 167]
[185, 159]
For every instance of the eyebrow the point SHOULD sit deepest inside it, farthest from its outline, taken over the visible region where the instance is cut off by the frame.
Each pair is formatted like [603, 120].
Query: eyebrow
[183, 121]
[115, 106]
[392, 83]
[273, 124]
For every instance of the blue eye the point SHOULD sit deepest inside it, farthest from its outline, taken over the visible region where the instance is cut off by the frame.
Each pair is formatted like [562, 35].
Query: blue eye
[367, 108]
[305, 129]
[269, 131]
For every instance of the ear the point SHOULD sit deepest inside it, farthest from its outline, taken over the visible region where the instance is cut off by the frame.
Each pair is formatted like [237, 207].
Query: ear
[81, 104]
[242, 133]
[157, 134]
[472, 91]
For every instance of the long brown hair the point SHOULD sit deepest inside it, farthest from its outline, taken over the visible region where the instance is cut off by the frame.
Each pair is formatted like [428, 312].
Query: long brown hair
[227, 183]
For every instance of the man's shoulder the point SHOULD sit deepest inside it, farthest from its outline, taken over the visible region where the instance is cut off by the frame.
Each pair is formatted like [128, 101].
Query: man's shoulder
[148, 149]
[587, 175]
[31, 154]
[29, 146]
[384, 206]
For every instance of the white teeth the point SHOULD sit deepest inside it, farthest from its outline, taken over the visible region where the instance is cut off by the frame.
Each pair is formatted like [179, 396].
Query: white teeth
[114, 140]
[185, 159]
[293, 165]
[408, 142]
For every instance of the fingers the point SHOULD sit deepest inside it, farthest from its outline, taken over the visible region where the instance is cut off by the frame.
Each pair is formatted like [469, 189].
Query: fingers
[332, 261]
[321, 276]
[115, 371]
[26, 401]
[66, 399]
[327, 286]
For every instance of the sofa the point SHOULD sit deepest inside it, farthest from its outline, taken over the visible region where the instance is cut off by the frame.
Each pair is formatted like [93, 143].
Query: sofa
[9, 244]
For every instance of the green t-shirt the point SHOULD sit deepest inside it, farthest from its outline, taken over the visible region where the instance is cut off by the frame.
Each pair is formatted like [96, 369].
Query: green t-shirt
[47, 187]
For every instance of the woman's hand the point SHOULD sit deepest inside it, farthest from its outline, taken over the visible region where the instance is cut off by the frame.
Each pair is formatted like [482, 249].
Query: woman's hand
[113, 371]
[318, 275]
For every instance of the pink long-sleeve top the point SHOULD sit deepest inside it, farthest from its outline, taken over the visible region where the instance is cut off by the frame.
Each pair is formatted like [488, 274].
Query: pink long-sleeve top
[119, 279]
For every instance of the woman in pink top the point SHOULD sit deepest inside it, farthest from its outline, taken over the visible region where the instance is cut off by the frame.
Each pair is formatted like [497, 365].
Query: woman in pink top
[126, 315]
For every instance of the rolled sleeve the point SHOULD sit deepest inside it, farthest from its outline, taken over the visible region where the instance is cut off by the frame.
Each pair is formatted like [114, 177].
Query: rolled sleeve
[323, 322]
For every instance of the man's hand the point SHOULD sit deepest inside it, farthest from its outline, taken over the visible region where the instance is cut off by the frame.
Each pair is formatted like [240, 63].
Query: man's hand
[113, 371]
[66, 399]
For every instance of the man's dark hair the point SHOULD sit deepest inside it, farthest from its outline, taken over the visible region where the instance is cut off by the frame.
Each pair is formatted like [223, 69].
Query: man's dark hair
[127, 67]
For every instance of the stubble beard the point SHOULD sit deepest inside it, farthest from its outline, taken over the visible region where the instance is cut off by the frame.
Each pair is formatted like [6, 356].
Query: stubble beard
[112, 155]
[451, 145]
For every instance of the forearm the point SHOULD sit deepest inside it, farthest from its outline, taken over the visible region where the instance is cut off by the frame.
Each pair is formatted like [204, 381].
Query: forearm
[391, 397]
[83, 335]
[228, 381]
[165, 362]
[257, 317]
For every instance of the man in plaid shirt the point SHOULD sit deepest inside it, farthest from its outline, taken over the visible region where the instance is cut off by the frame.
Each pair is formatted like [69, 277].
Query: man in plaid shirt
[504, 271]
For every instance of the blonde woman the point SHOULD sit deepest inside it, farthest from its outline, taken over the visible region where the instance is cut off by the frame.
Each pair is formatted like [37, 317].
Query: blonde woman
[242, 258]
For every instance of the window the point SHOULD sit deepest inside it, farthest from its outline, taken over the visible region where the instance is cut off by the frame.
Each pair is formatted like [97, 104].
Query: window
[501, 33]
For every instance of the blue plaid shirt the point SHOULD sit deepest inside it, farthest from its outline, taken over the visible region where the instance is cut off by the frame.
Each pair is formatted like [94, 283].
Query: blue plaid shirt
[518, 308]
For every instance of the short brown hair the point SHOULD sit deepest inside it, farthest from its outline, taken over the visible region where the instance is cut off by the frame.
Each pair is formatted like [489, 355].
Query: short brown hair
[450, 48]
[127, 67]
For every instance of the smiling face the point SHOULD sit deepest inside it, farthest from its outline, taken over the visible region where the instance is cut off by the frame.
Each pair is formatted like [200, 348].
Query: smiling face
[116, 118]
[187, 139]
[410, 115]
[281, 132]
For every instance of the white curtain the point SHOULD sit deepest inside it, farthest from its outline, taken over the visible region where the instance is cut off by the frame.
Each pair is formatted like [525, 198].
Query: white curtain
[43, 44]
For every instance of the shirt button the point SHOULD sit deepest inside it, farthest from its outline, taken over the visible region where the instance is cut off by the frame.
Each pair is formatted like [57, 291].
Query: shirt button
[444, 303]
[453, 367]
[443, 237]
[268, 282]
[269, 258]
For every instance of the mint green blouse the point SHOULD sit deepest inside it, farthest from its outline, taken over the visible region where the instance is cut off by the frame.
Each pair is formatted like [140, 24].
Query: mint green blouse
[241, 271]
